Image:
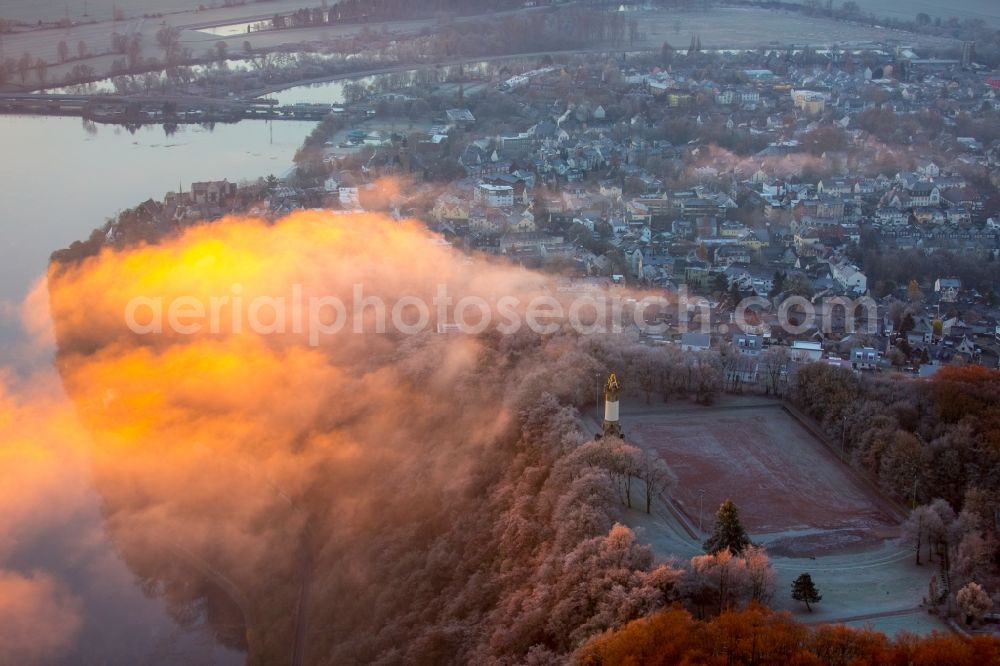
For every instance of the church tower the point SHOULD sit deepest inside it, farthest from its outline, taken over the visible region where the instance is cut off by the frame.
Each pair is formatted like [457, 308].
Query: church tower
[611, 391]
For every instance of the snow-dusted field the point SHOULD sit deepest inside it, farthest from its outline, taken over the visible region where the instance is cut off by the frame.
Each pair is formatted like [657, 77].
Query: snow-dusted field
[796, 498]
[987, 11]
[879, 587]
[793, 493]
[718, 28]
[745, 27]
[919, 622]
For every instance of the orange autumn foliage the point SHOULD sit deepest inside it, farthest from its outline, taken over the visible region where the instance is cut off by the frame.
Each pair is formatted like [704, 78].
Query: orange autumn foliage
[759, 636]
[969, 391]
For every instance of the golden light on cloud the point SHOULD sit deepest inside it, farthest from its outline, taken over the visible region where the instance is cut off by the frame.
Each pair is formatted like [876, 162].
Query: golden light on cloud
[291, 449]
[43, 485]
[217, 453]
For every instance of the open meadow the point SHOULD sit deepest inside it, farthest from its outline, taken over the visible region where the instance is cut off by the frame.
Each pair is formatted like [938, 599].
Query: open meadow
[745, 27]
[791, 490]
[796, 498]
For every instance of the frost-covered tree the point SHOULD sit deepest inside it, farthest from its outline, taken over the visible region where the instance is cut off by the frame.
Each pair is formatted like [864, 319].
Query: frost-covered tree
[719, 581]
[943, 527]
[972, 557]
[774, 363]
[620, 461]
[915, 529]
[655, 475]
[760, 574]
[974, 603]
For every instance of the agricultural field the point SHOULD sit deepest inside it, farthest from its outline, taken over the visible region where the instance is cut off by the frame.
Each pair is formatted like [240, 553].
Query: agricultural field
[744, 27]
[983, 10]
[30, 11]
[719, 28]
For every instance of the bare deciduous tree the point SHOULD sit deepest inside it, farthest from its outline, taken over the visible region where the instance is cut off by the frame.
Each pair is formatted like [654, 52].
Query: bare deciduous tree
[655, 475]
[23, 65]
[41, 70]
[915, 529]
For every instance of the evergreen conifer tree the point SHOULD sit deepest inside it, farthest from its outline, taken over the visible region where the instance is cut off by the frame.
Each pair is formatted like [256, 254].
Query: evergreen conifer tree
[803, 589]
[728, 532]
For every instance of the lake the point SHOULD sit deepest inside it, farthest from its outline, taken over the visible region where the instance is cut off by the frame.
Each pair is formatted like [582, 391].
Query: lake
[61, 180]
[63, 177]
[329, 92]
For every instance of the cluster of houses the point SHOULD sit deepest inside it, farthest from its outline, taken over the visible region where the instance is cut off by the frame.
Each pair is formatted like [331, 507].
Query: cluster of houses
[575, 163]
[583, 184]
[758, 349]
[573, 187]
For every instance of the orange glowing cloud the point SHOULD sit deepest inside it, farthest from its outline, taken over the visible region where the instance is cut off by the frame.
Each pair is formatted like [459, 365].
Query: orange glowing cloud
[248, 465]
[39, 619]
[216, 454]
[220, 277]
[340, 494]
[43, 489]
[43, 477]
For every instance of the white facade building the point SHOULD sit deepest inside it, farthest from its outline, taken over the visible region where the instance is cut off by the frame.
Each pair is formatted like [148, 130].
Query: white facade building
[849, 277]
[495, 196]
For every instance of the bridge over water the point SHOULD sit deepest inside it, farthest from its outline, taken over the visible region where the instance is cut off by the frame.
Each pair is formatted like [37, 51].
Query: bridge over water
[159, 109]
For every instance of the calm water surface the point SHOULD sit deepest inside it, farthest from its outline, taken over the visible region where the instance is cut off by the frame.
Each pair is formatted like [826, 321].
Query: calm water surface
[60, 180]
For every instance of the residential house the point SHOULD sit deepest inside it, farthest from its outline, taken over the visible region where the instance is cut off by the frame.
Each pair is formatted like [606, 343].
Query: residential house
[348, 193]
[924, 193]
[747, 344]
[214, 192]
[947, 289]
[864, 358]
[495, 196]
[449, 207]
[849, 277]
[922, 332]
[806, 351]
[751, 240]
[517, 145]
[460, 118]
[696, 342]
